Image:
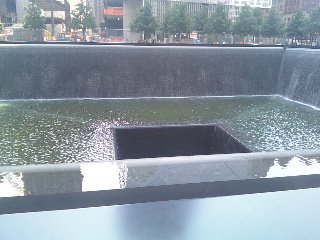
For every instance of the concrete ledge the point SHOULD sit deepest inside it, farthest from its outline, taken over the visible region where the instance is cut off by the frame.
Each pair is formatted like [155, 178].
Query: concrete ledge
[122, 174]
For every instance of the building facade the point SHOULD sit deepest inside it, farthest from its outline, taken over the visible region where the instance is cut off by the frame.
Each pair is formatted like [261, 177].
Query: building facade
[193, 6]
[116, 13]
[119, 14]
[288, 8]
[293, 6]
[59, 15]
[8, 14]
[20, 9]
[97, 9]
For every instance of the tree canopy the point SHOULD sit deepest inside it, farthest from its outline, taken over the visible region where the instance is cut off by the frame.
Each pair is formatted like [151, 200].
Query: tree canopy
[200, 20]
[176, 20]
[82, 18]
[144, 21]
[219, 22]
[273, 25]
[297, 27]
[33, 19]
[246, 23]
[313, 23]
[257, 14]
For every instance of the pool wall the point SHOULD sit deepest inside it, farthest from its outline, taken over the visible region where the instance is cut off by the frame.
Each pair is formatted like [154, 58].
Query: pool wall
[76, 71]
[71, 71]
[299, 77]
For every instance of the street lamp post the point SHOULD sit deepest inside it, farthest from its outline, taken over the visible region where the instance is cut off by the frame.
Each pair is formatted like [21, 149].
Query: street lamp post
[52, 21]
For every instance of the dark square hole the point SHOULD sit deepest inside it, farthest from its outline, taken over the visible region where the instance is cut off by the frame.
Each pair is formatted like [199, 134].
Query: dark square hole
[176, 140]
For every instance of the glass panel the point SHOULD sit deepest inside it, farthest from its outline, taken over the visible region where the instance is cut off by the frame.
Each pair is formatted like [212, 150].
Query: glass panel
[277, 216]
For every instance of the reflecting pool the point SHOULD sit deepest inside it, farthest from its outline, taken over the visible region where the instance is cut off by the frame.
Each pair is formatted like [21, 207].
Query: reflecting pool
[79, 130]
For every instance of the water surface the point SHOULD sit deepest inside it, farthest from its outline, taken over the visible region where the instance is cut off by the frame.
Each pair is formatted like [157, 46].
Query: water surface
[59, 131]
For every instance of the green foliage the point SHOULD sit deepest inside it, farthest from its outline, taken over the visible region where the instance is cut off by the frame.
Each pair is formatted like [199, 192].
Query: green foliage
[1, 26]
[144, 21]
[313, 23]
[33, 19]
[297, 28]
[273, 26]
[219, 22]
[200, 20]
[82, 17]
[176, 20]
[246, 23]
[257, 14]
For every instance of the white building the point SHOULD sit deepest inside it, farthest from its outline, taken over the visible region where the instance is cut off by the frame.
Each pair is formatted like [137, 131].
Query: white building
[20, 8]
[193, 6]
[59, 13]
[119, 14]
[97, 9]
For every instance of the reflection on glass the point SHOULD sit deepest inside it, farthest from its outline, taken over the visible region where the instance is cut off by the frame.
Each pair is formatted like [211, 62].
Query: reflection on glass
[103, 176]
[11, 184]
[295, 166]
[155, 221]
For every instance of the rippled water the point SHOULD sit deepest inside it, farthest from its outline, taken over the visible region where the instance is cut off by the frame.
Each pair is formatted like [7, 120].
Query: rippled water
[59, 131]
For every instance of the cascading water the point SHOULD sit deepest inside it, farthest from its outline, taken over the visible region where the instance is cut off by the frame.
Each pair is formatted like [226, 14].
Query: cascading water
[64, 71]
[78, 130]
[299, 77]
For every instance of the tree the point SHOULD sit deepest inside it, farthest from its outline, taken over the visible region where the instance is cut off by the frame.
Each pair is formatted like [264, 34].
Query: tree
[1, 26]
[313, 24]
[273, 26]
[246, 23]
[144, 21]
[297, 27]
[257, 14]
[176, 20]
[219, 22]
[200, 20]
[33, 19]
[82, 18]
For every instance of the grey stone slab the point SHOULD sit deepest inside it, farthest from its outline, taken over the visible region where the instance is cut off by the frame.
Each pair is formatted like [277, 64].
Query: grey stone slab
[180, 174]
[121, 174]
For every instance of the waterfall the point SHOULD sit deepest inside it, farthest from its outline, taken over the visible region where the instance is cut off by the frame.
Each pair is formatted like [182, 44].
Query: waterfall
[77, 71]
[299, 77]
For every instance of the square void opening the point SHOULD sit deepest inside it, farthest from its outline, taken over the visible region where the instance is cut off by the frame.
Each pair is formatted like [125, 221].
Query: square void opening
[177, 140]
